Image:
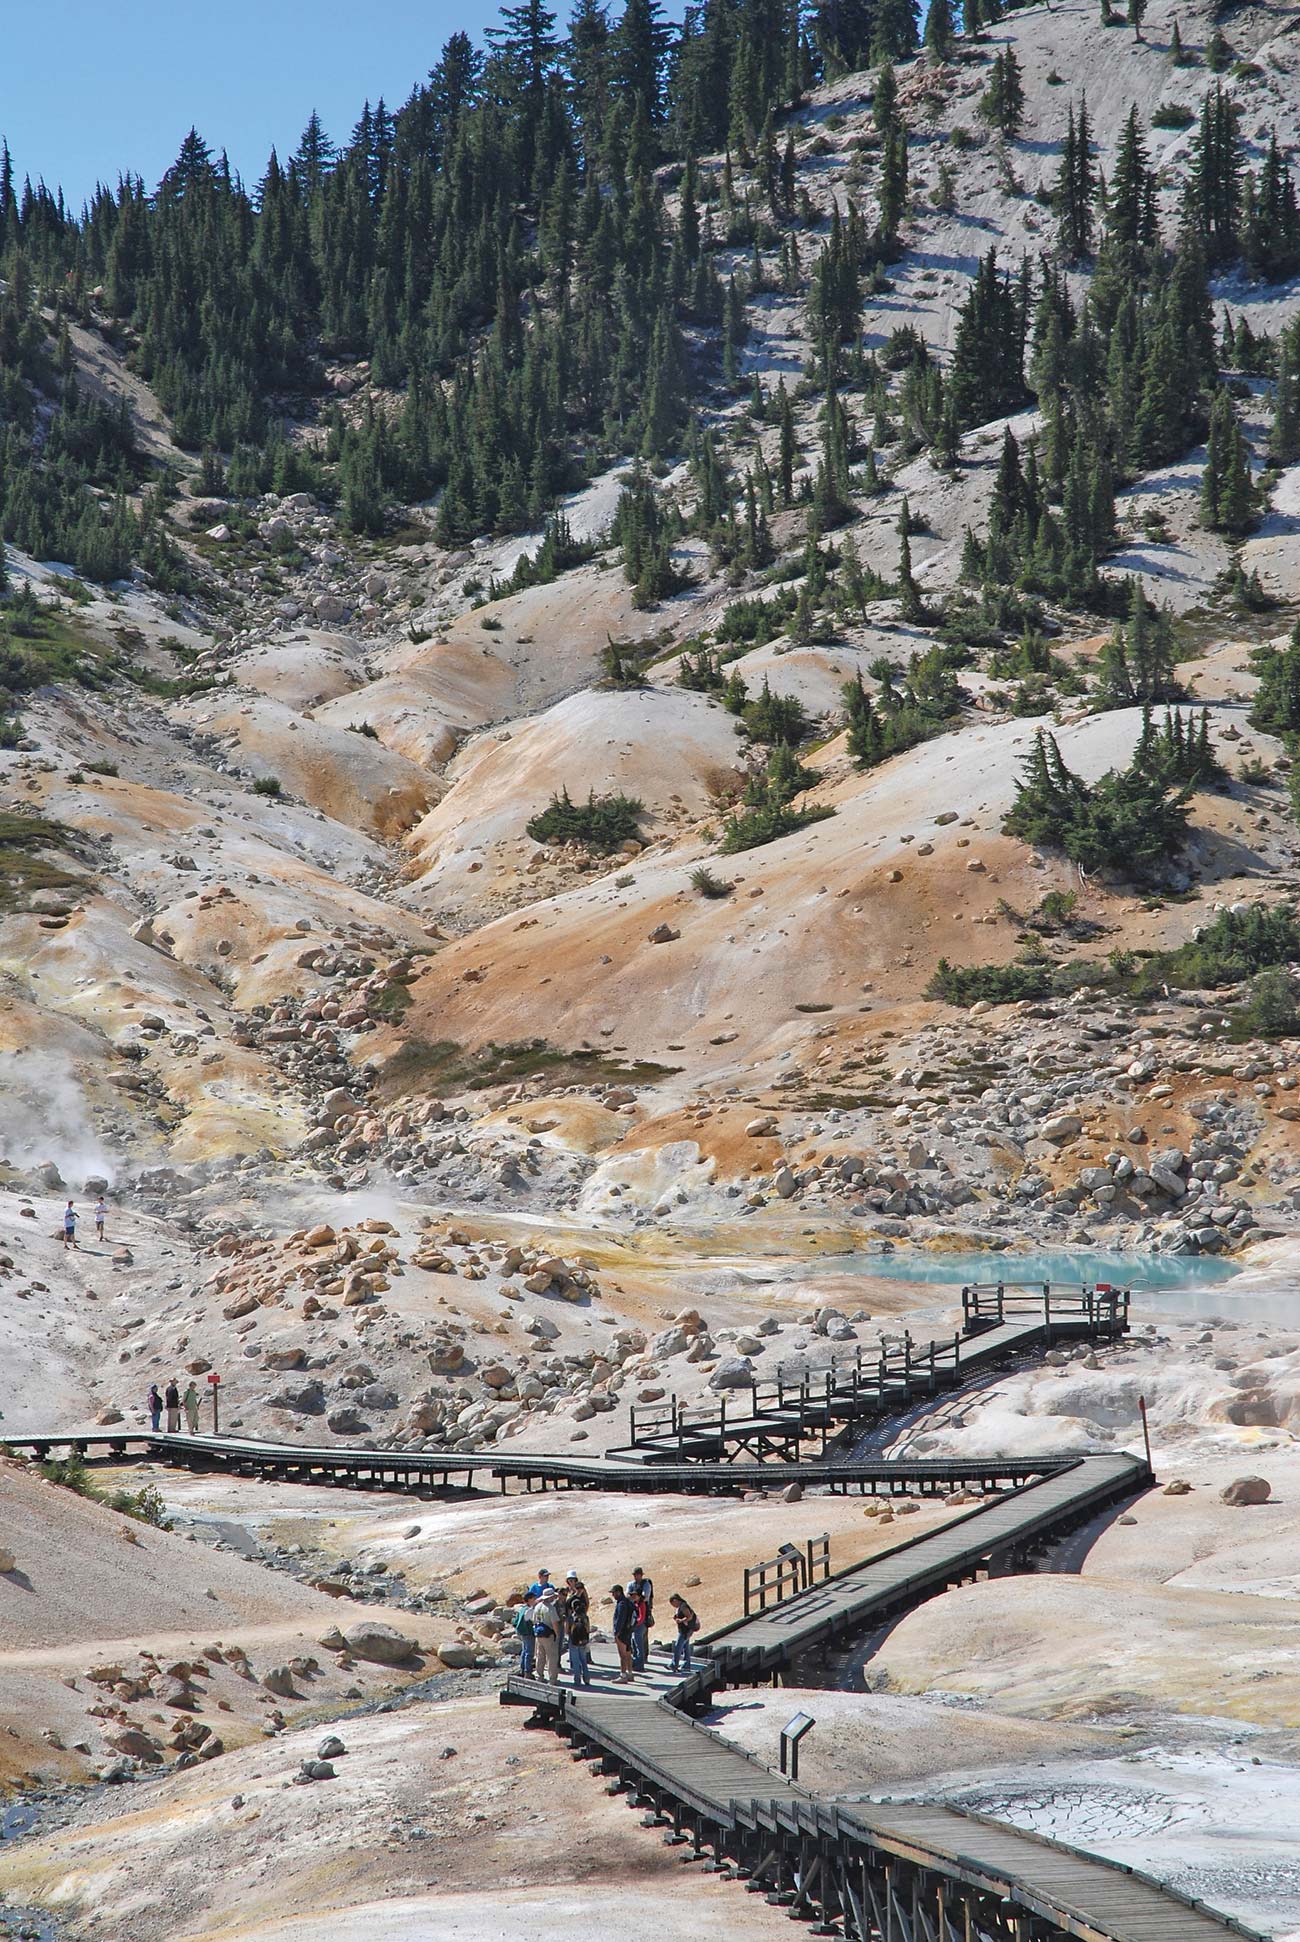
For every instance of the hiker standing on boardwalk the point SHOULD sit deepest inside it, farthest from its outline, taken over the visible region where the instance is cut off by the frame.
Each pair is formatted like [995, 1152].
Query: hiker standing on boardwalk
[642, 1593]
[622, 1629]
[577, 1624]
[154, 1404]
[687, 1624]
[190, 1404]
[524, 1633]
[173, 1401]
[546, 1635]
[70, 1226]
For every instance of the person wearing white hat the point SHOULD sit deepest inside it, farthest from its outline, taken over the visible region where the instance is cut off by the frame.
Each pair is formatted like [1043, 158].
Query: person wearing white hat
[577, 1624]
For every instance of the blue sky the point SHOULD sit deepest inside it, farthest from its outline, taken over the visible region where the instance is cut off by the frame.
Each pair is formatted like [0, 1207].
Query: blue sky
[91, 87]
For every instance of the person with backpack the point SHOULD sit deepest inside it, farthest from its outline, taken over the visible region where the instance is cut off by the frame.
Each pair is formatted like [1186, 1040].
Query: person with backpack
[173, 1401]
[524, 1633]
[577, 1625]
[622, 1628]
[546, 1638]
[154, 1405]
[642, 1593]
[687, 1625]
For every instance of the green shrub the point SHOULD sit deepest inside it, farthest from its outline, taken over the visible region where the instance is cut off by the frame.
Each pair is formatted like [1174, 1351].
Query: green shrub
[266, 785]
[998, 984]
[749, 829]
[1235, 946]
[1270, 1011]
[70, 1473]
[601, 823]
[705, 884]
[1130, 821]
[1172, 114]
[145, 1505]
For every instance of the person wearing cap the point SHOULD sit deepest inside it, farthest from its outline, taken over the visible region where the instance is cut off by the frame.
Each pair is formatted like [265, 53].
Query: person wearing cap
[576, 1605]
[687, 1624]
[541, 1583]
[642, 1593]
[546, 1635]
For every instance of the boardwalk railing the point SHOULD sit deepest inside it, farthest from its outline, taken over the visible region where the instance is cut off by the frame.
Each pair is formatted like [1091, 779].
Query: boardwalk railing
[1102, 1310]
[776, 1418]
[868, 1871]
[772, 1580]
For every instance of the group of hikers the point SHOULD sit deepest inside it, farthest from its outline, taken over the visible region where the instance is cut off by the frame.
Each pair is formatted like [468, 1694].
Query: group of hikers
[71, 1217]
[174, 1402]
[552, 1617]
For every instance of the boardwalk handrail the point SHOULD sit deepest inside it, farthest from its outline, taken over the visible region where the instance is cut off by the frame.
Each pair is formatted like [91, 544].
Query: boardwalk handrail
[999, 1321]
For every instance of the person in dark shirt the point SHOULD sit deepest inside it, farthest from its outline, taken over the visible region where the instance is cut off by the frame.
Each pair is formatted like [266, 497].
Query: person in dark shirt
[687, 1625]
[624, 1612]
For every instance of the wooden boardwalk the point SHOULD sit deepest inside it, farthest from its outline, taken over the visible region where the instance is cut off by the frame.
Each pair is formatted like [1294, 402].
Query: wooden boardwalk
[777, 1419]
[990, 1539]
[866, 1871]
[898, 1871]
[348, 1466]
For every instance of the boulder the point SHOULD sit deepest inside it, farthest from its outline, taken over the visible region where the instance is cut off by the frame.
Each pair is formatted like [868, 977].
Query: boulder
[279, 1680]
[1167, 1180]
[1177, 1487]
[733, 1372]
[456, 1654]
[1247, 1490]
[347, 1421]
[130, 1740]
[303, 1398]
[1062, 1128]
[381, 1644]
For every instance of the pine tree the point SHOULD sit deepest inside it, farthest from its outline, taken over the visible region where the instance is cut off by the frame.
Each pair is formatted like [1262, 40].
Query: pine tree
[1076, 188]
[893, 188]
[1270, 220]
[908, 592]
[1284, 433]
[1215, 185]
[1130, 205]
[789, 448]
[1002, 104]
[884, 100]
[1229, 497]
[989, 349]
[940, 28]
